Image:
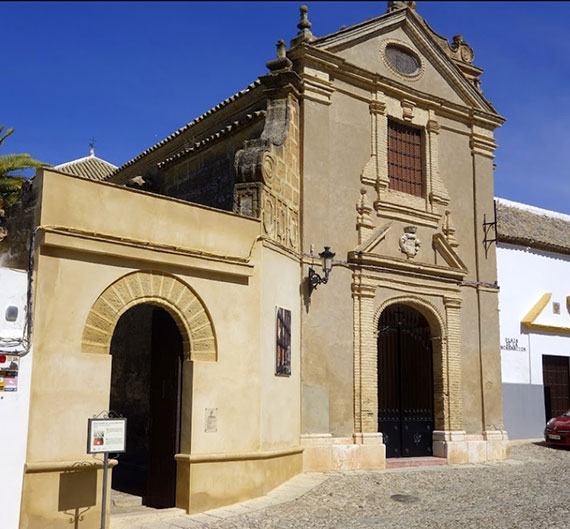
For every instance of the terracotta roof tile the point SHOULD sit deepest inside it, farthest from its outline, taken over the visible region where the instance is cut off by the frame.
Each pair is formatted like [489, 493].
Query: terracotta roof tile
[89, 167]
[538, 228]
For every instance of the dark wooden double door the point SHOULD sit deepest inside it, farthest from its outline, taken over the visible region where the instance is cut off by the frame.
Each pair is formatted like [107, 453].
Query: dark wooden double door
[556, 380]
[405, 382]
[146, 387]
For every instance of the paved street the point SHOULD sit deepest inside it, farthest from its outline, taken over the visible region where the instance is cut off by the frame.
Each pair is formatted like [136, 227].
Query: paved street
[531, 490]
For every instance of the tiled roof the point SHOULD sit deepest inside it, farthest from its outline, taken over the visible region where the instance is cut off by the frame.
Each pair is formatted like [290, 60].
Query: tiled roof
[248, 118]
[176, 133]
[534, 227]
[89, 167]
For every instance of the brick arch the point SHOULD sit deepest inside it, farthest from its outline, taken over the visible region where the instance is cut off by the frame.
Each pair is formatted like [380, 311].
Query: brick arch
[155, 288]
[424, 307]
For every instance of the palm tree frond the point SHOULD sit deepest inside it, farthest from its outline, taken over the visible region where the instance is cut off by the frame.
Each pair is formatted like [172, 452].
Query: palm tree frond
[14, 162]
[4, 135]
[10, 185]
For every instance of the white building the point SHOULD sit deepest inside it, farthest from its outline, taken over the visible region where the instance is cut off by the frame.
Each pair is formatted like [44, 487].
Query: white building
[15, 374]
[533, 260]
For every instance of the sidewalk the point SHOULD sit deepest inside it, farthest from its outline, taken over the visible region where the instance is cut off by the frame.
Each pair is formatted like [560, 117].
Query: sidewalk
[144, 518]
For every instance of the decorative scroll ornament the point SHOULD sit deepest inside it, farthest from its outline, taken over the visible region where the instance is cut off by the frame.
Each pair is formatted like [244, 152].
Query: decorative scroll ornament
[393, 6]
[409, 241]
[462, 50]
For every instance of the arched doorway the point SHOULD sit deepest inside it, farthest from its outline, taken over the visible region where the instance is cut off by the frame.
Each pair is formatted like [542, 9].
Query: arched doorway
[146, 388]
[405, 382]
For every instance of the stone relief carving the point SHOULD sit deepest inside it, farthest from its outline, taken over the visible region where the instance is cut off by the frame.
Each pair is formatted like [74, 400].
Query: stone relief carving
[280, 221]
[410, 242]
[461, 50]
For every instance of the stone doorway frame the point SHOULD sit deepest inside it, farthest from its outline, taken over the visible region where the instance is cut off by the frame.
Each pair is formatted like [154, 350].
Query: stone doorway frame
[446, 343]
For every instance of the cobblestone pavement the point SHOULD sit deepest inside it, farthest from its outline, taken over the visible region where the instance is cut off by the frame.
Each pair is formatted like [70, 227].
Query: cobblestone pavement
[531, 490]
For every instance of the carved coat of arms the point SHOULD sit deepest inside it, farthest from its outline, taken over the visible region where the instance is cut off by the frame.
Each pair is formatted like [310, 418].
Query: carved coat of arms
[409, 241]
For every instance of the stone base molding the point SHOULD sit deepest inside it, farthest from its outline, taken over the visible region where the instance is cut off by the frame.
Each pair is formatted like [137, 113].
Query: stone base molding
[362, 451]
[458, 447]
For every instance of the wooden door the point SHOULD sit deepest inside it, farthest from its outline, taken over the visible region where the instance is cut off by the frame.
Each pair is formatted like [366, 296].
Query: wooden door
[556, 379]
[164, 420]
[405, 382]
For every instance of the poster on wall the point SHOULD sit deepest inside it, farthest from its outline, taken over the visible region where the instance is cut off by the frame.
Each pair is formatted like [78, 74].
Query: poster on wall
[283, 342]
[106, 435]
[9, 367]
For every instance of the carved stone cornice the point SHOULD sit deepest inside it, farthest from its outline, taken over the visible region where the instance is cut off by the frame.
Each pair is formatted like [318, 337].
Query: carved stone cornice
[482, 145]
[433, 127]
[405, 266]
[452, 302]
[363, 290]
[317, 89]
[406, 213]
[377, 107]
[407, 109]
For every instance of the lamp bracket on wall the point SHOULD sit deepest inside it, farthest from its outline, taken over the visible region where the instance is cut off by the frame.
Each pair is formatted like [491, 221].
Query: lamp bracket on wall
[316, 279]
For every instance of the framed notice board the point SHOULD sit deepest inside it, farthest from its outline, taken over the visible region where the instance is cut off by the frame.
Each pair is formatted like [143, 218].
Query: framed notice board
[106, 435]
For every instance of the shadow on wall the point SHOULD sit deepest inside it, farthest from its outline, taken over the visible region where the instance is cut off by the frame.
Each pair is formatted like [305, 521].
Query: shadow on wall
[78, 491]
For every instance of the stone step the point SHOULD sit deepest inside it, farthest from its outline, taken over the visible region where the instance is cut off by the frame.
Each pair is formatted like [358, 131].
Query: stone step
[402, 462]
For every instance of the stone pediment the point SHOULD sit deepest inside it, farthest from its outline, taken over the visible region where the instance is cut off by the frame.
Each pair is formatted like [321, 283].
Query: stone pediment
[445, 250]
[374, 239]
[439, 74]
[370, 252]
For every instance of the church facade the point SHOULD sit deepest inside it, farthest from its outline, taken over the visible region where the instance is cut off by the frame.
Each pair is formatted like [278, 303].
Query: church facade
[186, 292]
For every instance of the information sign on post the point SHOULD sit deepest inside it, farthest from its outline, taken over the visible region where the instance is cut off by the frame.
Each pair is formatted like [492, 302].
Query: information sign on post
[105, 435]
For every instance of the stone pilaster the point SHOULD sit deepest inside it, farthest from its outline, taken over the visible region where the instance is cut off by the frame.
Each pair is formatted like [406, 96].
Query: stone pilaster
[436, 191]
[375, 171]
[454, 411]
[365, 360]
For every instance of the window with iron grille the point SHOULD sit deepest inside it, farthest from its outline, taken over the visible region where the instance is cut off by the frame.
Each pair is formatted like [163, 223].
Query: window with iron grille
[405, 159]
[283, 351]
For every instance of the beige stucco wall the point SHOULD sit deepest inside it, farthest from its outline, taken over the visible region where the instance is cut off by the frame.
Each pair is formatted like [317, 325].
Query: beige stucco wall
[339, 141]
[117, 232]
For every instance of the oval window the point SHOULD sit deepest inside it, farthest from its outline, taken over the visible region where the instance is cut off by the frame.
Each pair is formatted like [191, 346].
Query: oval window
[402, 60]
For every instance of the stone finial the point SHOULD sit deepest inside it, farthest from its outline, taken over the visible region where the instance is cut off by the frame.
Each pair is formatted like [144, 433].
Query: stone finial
[304, 26]
[281, 62]
[449, 230]
[364, 223]
[393, 6]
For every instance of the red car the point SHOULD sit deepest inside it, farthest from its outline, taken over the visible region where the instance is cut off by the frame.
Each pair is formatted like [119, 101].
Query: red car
[557, 431]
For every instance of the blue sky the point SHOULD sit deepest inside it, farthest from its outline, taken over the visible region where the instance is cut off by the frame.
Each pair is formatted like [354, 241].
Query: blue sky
[130, 73]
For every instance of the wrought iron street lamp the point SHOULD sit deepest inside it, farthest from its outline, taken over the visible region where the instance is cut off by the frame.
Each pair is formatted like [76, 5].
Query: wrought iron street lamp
[326, 262]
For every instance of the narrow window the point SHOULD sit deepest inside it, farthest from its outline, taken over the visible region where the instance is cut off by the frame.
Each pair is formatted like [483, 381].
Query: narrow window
[405, 159]
[283, 356]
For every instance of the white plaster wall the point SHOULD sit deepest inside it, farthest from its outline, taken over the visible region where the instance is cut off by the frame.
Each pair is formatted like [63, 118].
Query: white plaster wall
[525, 274]
[14, 406]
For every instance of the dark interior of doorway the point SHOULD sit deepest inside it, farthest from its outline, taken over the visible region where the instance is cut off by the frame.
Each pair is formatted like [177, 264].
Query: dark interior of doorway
[146, 384]
[405, 382]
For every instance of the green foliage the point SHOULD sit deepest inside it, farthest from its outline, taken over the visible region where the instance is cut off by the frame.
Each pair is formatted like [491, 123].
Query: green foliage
[10, 164]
